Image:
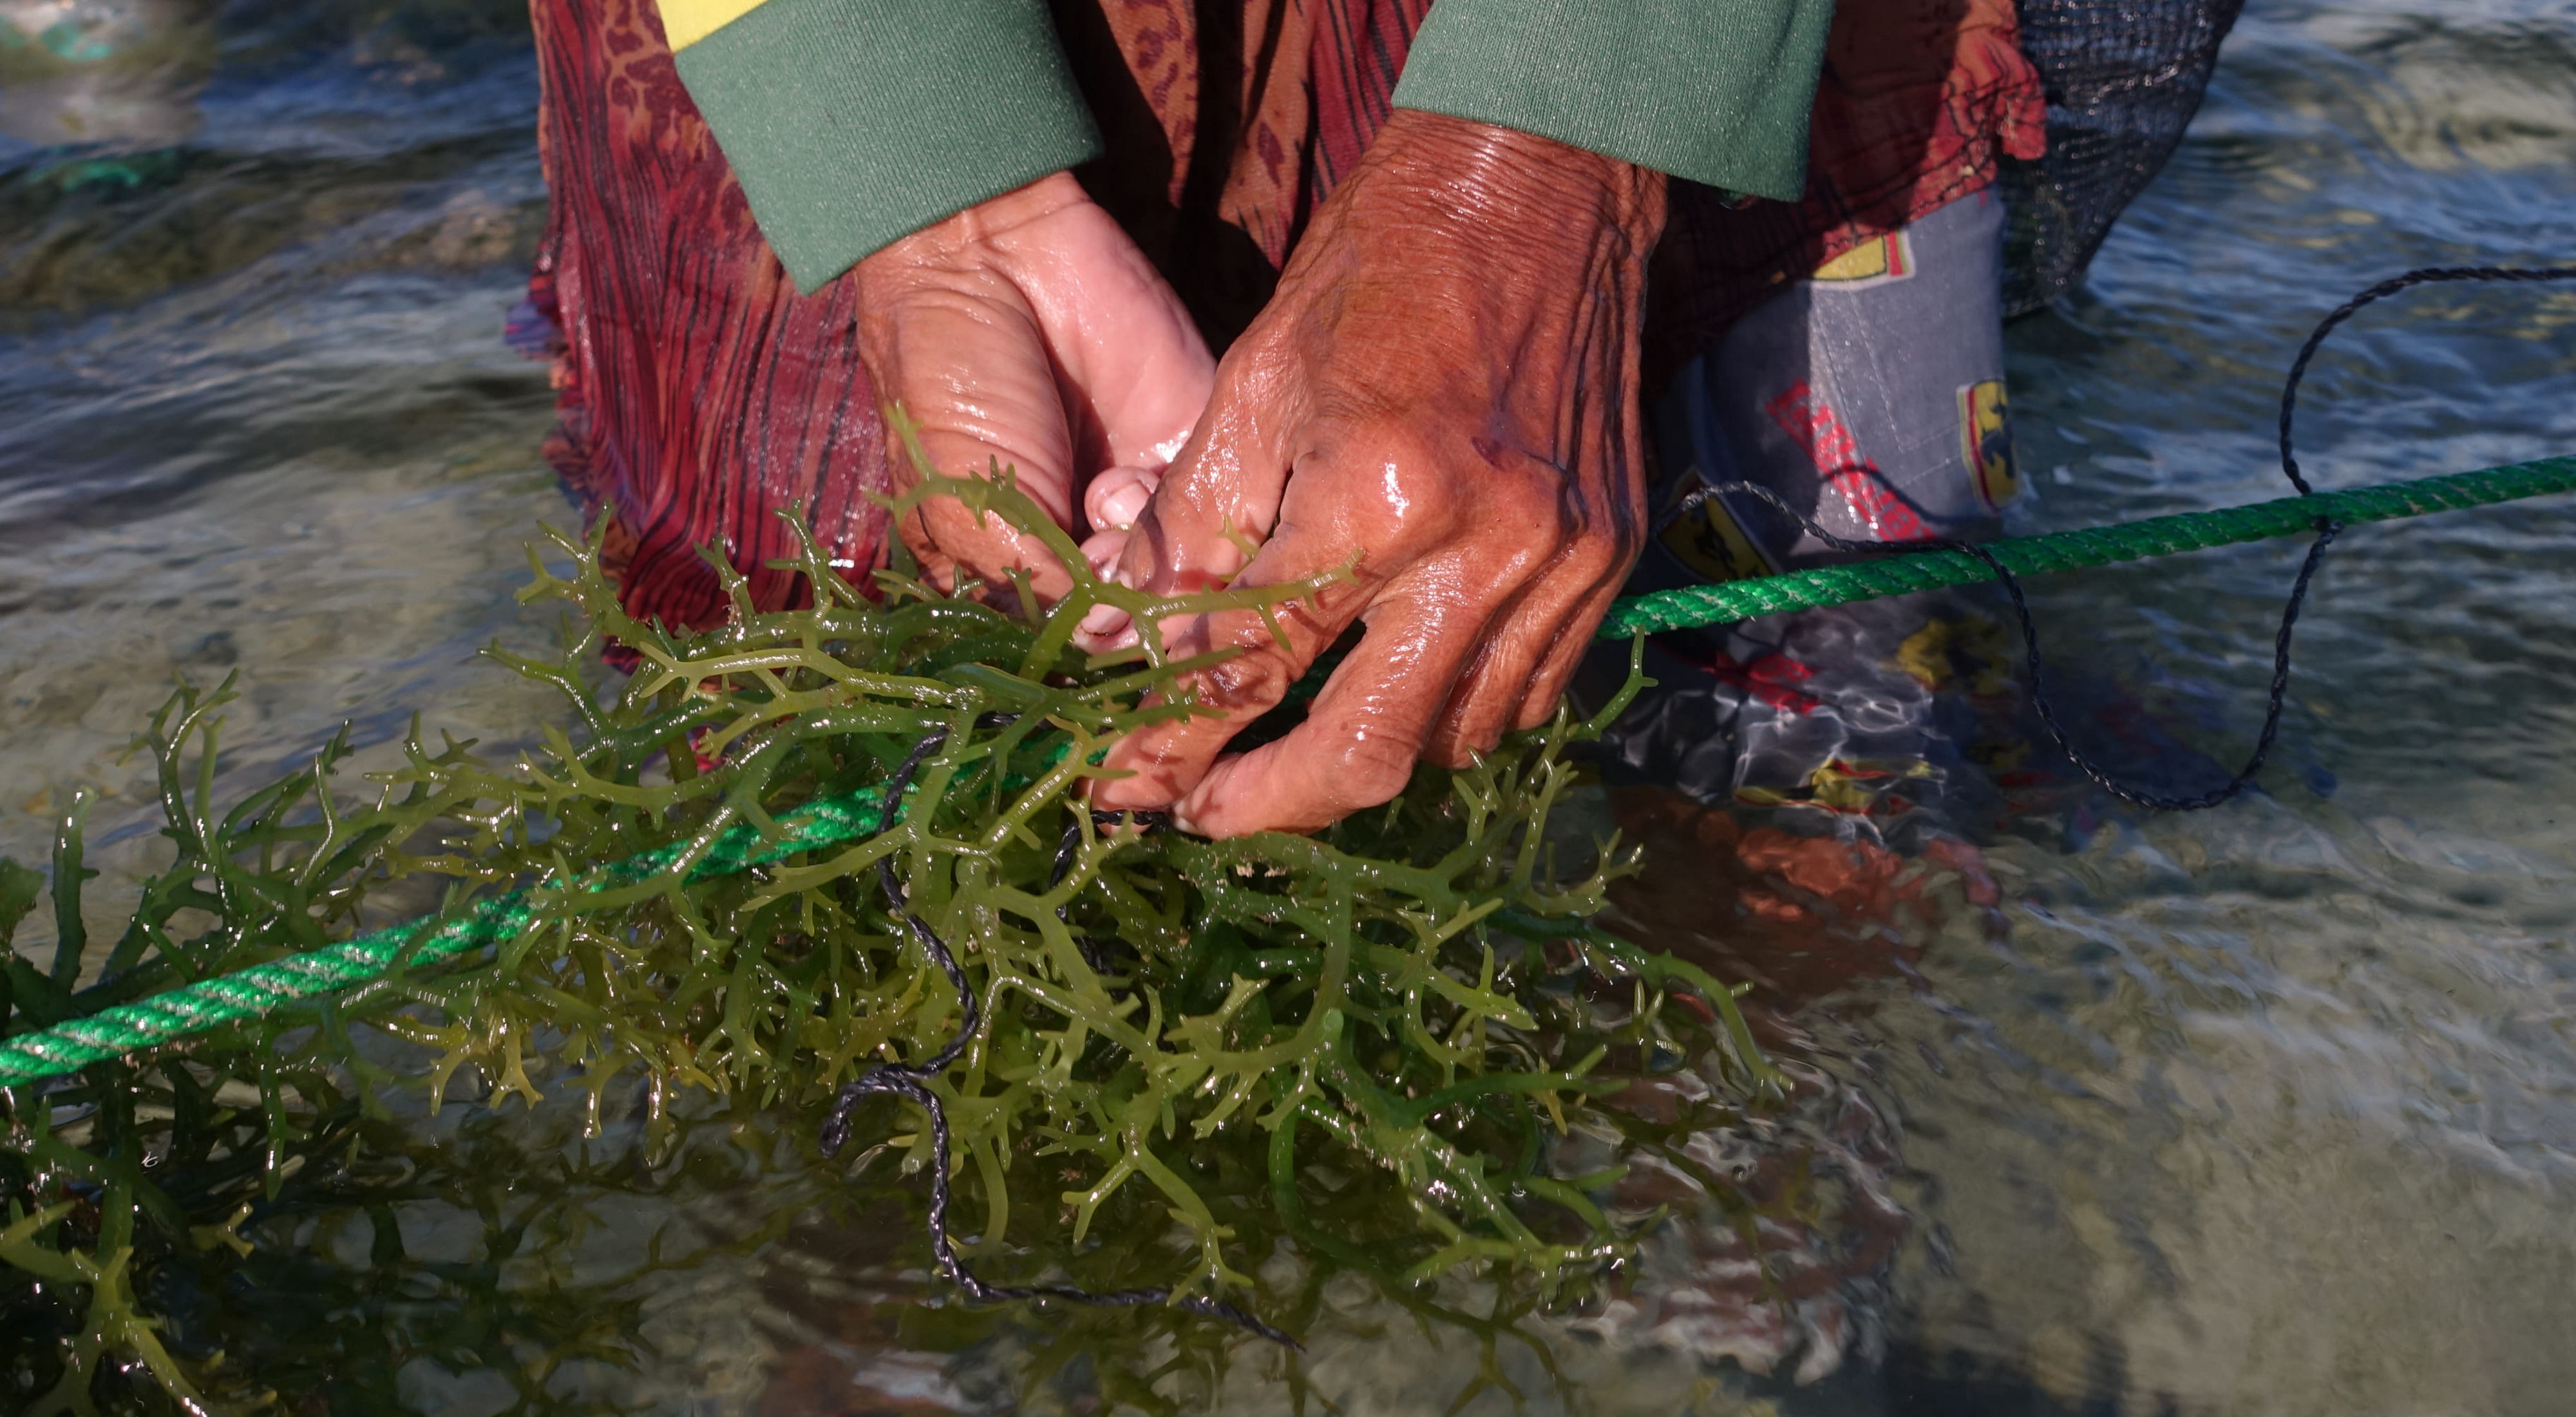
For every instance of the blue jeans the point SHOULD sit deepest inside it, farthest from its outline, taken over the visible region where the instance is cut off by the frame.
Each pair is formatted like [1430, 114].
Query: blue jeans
[1871, 397]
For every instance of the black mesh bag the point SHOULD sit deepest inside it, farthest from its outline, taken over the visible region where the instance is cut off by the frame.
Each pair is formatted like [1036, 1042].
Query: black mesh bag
[2123, 78]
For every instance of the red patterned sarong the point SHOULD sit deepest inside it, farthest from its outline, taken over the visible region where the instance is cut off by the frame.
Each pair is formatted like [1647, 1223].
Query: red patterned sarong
[700, 395]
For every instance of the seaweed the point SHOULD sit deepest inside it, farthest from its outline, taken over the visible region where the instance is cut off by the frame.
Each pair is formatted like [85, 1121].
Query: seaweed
[1185, 1059]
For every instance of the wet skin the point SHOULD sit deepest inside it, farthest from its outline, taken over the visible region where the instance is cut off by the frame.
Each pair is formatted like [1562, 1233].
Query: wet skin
[1441, 397]
[1029, 331]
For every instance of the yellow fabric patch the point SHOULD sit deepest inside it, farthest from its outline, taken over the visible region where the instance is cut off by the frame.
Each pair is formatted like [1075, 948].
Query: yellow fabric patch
[685, 22]
[1879, 259]
[1705, 537]
[1985, 438]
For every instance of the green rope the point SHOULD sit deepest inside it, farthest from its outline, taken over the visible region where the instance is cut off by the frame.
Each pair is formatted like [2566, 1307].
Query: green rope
[257, 991]
[1694, 607]
[262, 989]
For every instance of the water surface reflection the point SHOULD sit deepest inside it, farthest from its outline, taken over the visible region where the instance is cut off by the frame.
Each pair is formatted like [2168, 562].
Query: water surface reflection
[2265, 1110]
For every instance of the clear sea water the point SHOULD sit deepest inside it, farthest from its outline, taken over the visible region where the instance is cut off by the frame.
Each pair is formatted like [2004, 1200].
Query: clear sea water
[2269, 1110]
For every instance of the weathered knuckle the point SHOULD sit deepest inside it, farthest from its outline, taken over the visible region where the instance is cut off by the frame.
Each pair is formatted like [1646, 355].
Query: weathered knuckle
[1594, 559]
[1255, 682]
[1369, 768]
[1595, 547]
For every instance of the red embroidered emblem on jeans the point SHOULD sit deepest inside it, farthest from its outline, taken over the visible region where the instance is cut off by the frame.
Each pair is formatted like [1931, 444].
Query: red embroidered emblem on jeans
[1829, 444]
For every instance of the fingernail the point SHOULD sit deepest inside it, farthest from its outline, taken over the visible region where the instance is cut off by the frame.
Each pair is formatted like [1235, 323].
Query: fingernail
[1103, 623]
[1118, 496]
[1121, 508]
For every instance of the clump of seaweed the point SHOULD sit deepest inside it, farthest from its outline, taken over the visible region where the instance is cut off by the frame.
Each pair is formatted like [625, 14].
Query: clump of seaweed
[1183, 1054]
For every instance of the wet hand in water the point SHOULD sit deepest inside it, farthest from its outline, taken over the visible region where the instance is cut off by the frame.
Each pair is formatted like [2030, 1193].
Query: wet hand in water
[1442, 396]
[1028, 329]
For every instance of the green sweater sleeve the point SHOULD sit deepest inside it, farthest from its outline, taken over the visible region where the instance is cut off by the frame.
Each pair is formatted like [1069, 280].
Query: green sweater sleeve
[852, 123]
[1716, 91]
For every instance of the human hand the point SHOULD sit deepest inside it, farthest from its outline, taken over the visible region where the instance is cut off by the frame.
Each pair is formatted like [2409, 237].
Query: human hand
[1442, 396]
[1028, 329]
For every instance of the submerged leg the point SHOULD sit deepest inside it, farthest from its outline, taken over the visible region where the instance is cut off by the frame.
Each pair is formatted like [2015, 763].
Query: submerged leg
[1870, 397]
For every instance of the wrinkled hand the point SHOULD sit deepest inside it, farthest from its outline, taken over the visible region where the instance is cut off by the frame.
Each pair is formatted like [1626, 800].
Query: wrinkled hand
[1029, 329]
[1443, 396]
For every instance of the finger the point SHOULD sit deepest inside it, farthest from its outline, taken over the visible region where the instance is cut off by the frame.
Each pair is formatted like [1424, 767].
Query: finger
[1486, 699]
[1527, 664]
[1359, 742]
[1111, 505]
[1221, 497]
[1136, 372]
[1167, 759]
[1523, 666]
[1205, 517]
[1104, 627]
[1118, 496]
[1556, 673]
[985, 546]
[1521, 670]
[963, 357]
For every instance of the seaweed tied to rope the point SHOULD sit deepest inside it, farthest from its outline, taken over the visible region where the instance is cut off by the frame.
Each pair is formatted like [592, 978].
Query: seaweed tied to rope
[1136, 1063]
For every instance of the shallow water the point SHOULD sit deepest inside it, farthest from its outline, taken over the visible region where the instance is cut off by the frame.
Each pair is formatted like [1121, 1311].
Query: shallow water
[2270, 1109]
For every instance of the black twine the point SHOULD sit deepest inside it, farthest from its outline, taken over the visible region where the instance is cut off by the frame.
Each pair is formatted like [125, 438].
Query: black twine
[2429, 275]
[1094, 952]
[2327, 530]
[910, 1081]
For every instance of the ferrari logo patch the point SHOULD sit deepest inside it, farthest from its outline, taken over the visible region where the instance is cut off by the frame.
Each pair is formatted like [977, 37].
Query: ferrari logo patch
[1703, 535]
[1985, 438]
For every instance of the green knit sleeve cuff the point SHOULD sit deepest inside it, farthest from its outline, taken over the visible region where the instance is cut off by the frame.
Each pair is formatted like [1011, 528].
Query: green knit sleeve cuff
[853, 123]
[1715, 91]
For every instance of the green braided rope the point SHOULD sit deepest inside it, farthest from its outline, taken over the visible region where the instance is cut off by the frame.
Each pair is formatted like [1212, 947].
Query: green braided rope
[262, 989]
[1693, 607]
[254, 992]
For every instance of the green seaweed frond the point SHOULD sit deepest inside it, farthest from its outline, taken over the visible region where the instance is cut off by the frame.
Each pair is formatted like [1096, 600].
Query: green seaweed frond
[1357, 1045]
